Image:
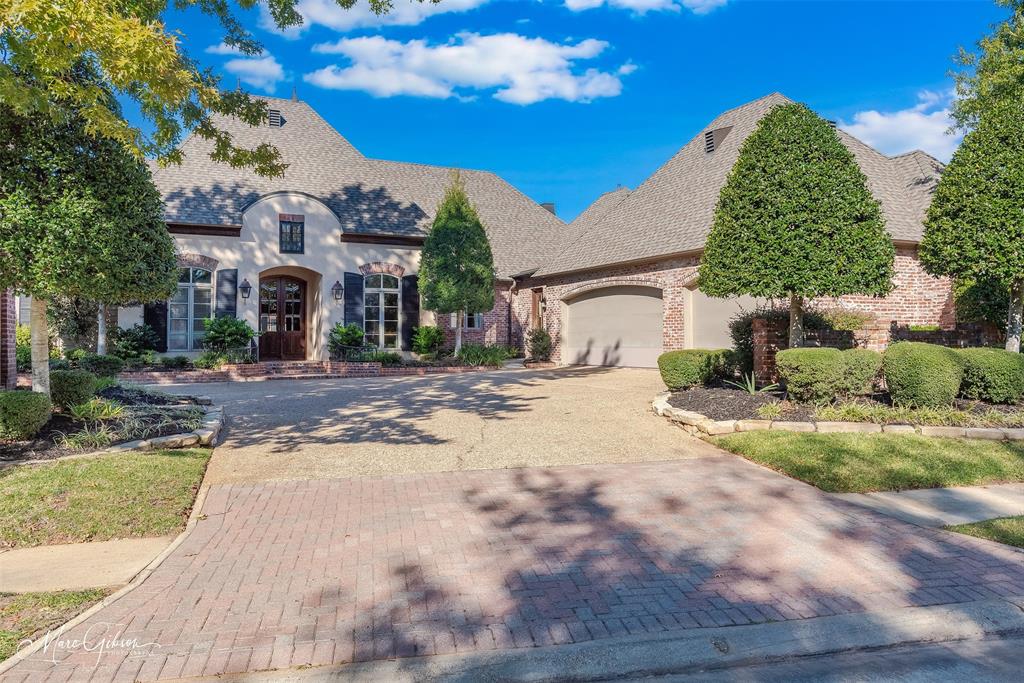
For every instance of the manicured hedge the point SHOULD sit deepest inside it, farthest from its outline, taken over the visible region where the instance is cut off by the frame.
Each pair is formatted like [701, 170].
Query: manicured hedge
[811, 374]
[23, 414]
[920, 374]
[690, 367]
[992, 375]
[100, 365]
[861, 368]
[71, 387]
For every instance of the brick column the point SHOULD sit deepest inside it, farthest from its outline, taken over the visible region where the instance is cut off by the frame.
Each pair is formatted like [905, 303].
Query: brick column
[8, 360]
[768, 339]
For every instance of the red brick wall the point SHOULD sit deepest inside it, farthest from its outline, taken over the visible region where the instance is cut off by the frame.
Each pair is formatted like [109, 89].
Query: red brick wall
[495, 329]
[8, 360]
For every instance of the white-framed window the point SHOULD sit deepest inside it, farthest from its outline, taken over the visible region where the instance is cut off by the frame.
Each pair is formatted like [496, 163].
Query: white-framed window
[381, 295]
[473, 321]
[191, 304]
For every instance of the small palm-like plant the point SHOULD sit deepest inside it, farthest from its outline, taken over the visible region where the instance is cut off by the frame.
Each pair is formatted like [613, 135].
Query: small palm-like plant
[749, 384]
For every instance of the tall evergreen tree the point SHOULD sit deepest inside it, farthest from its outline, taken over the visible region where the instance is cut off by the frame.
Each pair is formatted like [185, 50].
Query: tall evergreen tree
[79, 217]
[456, 264]
[796, 219]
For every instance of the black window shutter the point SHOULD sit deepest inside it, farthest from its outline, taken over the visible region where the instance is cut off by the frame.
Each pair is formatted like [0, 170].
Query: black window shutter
[410, 309]
[155, 315]
[227, 293]
[354, 299]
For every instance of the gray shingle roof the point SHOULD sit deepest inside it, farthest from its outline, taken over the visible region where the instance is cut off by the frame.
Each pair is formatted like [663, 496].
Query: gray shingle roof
[597, 210]
[369, 196]
[672, 211]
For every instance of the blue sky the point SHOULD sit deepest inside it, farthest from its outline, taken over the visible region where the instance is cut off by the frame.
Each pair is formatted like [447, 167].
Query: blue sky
[567, 99]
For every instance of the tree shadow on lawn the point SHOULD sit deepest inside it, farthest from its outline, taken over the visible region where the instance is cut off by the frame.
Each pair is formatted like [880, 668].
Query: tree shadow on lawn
[562, 559]
[284, 416]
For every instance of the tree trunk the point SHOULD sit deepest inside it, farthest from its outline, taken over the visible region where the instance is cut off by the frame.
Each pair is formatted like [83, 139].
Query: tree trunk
[39, 327]
[1015, 319]
[101, 331]
[458, 332]
[796, 321]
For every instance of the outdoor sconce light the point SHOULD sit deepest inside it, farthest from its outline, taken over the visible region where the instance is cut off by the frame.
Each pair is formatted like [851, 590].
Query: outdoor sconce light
[338, 291]
[245, 288]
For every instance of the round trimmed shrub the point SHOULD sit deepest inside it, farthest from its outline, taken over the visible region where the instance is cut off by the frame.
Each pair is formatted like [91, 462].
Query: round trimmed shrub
[23, 414]
[860, 370]
[993, 375]
[811, 374]
[922, 375]
[71, 387]
[690, 367]
[100, 365]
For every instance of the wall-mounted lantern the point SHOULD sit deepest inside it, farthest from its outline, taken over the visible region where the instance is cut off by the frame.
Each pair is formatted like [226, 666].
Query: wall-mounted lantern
[338, 291]
[245, 288]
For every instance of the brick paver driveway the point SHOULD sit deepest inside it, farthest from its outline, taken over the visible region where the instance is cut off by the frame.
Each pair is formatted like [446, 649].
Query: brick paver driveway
[286, 573]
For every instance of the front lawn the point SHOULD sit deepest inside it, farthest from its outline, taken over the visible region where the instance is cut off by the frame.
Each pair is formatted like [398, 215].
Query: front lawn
[1008, 530]
[31, 614]
[857, 463]
[99, 498]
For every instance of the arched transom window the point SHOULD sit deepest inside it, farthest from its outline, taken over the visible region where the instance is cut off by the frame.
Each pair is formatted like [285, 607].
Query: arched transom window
[380, 310]
[191, 304]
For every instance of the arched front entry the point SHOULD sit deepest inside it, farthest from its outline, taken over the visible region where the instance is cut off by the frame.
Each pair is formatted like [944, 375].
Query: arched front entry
[617, 325]
[283, 318]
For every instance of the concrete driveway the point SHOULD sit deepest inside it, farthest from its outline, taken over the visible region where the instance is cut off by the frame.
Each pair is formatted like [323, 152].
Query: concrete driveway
[286, 429]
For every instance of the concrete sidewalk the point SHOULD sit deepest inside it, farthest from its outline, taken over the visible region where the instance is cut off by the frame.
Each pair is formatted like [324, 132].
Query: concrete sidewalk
[77, 566]
[944, 507]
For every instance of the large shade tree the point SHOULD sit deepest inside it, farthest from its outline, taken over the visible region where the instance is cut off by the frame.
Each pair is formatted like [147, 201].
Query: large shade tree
[975, 226]
[456, 264]
[140, 59]
[796, 220]
[79, 217]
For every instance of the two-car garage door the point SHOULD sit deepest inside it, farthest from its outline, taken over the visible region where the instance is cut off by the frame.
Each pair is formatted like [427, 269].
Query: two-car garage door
[614, 326]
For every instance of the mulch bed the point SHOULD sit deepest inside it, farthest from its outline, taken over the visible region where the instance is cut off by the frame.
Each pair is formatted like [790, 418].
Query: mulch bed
[46, 444]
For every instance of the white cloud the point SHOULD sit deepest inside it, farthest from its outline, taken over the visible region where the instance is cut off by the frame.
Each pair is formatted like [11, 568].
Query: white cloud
[645, 6]
[923, 126]
[327, 13]
[522, 70]
[259, 72]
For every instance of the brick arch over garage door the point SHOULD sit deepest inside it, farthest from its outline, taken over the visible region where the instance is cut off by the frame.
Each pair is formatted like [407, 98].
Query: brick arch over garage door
[616, 324]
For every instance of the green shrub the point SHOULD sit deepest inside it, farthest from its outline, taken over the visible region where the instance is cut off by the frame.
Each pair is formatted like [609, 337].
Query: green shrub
[992, 375]
[538, 342]
[690, 367]
[385, 358]
[210, 360]
[811, 374]
[101, 366]
[132, 342]
[75, 355]
[175, 362]
[59, 364]
[920, 374]
[23, 347]
[71, 387]
[480, 354]
[227, 334]
[23, 414]
[861, 368]
[427, 340]
[741, 330]
[847, 319]
[343, 339]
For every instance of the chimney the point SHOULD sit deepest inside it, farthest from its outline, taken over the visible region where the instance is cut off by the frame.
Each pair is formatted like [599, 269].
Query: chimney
[295, 94]
[550, 206]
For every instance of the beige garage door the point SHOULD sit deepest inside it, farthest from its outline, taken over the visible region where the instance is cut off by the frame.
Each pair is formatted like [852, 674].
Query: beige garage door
[614, 326]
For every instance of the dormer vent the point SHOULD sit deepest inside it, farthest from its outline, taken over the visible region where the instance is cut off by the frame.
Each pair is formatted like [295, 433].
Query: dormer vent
[709, 142]
[713, 139]
[274, 118]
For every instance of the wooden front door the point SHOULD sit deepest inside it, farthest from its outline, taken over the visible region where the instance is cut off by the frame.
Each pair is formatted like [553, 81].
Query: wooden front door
[282, 319]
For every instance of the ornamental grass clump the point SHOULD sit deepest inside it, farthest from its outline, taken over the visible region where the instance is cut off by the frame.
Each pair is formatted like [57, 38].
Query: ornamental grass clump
[690, 367]
[992, 375]
[922, 375]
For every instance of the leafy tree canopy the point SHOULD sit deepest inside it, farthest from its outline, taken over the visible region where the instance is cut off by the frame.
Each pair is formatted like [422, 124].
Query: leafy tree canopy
[994, 75]
[796, 218]
[456, 265]
[79, 215]
[126, 41]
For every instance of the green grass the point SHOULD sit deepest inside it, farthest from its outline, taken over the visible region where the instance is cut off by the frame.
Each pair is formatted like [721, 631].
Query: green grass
[1008, 530]
[96, 499]
[951, 417]
[854, 463]
[32, 614]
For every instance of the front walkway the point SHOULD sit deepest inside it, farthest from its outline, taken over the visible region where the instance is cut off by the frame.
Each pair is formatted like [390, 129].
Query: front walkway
[946, 506]
[285, 573]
